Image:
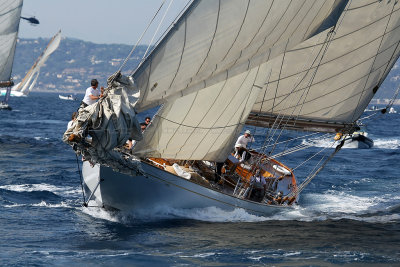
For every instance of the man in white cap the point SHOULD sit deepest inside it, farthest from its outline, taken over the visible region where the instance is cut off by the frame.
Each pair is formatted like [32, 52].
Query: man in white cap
[241, 146]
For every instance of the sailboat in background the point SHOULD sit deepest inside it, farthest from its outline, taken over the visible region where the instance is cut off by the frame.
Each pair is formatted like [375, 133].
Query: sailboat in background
[10, 13]
[293, 65]
[29, 81]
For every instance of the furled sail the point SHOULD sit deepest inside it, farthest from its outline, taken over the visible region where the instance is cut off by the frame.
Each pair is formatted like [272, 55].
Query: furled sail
[215, 40]
[215, 74]
[10, 12]
[325, 83]
[29, 81]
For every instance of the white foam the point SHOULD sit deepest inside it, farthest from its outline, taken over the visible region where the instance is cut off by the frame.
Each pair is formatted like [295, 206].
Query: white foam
[62, 191]
[41, 204]
[38, 138]
[386, 143]
[211, 214]
[48, 205]
[214, 214]
[316, 207]
[100, 213]
[200, 255]
[340, 202]
[390, 143]
[325, 142]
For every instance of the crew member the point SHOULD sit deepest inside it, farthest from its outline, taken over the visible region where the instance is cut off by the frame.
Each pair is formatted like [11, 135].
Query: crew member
[92, 94]
[241, 146]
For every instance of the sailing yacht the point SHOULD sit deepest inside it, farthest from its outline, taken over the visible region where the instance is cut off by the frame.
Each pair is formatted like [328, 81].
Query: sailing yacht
[10, 13]
[29, 81]
[304, 66]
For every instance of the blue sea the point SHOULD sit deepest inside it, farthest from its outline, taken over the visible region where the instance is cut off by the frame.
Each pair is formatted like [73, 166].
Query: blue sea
[348, 215]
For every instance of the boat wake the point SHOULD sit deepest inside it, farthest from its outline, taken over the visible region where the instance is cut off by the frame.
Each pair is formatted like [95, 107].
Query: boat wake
[387, 143]
[330, 205]
[390, 143]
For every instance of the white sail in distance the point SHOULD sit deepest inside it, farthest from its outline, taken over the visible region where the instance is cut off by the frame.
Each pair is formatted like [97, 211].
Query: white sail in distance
[210, 77]
[29, 81]
[10, 13]
[325, 83]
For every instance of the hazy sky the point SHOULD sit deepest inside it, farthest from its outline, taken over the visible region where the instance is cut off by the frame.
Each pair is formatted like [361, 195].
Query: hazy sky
[98, 21]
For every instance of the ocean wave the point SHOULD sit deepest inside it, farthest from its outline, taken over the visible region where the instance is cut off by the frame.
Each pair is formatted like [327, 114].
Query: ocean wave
[41, 204]
[65, 191]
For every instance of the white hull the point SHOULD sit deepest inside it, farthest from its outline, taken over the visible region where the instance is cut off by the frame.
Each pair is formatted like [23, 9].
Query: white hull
[66, 97]
[159, 189]
[361, 142]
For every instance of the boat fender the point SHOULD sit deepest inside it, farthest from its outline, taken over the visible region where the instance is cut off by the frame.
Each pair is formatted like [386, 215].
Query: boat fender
[180, 171]
[338, 136]
[281, 170]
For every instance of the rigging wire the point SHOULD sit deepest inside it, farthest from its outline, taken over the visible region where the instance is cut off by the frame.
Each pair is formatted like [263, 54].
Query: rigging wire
[280, 118]
[152, 39]
[141, 37]
[314, 172]
[383, 111]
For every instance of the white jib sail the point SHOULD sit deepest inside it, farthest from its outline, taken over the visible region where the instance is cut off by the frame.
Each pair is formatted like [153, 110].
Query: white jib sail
[25, 86]
[333, 87]
[203, 125]
[10, 12]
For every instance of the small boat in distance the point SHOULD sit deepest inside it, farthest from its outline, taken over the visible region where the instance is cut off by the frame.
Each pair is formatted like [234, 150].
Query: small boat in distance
[358, 140]
[373, 108]
[68, 97]
[392, 110]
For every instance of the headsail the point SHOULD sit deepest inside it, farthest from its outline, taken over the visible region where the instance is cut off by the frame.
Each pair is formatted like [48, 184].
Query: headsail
[215, 40]
[204, 124]
[10, 12]
[28, 82]
[325, 83]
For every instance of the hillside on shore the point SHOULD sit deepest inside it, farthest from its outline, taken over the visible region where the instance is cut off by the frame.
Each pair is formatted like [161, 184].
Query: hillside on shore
[71, 67]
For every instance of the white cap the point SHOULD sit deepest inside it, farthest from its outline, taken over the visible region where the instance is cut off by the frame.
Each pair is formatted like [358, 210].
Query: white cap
[247, 132]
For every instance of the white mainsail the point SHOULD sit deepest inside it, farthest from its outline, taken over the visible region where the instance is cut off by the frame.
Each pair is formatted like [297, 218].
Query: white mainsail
[29, 81]
[10, 12]
[224, 64]
[215, 40]
[325, 84]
